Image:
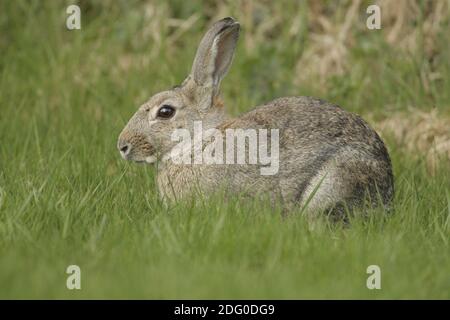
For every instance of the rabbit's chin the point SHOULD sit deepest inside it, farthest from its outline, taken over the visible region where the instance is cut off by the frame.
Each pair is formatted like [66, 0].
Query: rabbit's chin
[150, 159]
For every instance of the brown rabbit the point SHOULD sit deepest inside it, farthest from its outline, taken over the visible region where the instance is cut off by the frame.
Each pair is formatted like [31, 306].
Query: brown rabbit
[329, 159]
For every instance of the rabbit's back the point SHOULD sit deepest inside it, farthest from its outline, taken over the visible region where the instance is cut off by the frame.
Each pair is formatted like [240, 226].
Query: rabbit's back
[310, 120]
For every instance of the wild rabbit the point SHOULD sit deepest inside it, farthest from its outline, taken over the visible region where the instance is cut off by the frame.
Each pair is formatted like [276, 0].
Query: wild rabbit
[329, 159]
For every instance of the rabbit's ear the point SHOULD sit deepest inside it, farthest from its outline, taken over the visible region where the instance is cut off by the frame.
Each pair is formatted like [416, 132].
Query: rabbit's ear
[215, 53]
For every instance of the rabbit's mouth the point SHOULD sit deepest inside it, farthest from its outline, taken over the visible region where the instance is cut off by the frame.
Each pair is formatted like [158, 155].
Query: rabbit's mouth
[139, 158]
[140, 151]
[144, 159]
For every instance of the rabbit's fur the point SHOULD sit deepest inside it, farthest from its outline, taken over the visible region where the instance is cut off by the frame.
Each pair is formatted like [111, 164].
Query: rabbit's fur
[329, 159]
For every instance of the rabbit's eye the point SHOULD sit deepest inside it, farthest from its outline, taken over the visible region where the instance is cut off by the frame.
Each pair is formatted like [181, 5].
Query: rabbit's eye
[166, 112]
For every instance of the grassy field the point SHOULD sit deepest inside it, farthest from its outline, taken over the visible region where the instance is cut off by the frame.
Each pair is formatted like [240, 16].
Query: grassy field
[66, 197]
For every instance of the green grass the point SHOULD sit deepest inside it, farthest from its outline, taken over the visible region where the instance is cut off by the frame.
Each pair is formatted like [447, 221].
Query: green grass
[67, 198]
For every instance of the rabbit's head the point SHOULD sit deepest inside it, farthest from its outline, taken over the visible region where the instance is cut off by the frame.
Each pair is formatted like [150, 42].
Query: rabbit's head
[147, 136]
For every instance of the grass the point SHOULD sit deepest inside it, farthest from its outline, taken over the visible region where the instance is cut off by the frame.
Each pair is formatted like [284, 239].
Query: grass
[67, 198]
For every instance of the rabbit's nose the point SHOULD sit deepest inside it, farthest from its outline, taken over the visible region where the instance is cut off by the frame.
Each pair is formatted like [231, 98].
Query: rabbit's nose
[124, 149]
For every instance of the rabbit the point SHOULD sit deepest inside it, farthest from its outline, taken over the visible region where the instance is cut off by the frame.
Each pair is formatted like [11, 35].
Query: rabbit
[330, 160]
